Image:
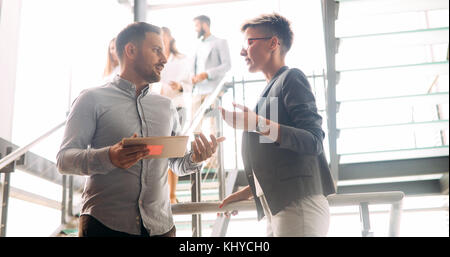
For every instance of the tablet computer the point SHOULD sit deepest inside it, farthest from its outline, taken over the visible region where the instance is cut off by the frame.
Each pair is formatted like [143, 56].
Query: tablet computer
[160, 147]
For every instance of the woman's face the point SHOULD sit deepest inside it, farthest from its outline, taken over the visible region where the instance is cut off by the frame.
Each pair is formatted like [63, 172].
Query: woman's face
[166, 39]
[256, 49]
[112, 51]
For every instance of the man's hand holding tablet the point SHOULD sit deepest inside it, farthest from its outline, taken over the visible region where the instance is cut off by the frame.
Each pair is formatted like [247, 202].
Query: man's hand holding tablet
[129, 151]
[126, 156]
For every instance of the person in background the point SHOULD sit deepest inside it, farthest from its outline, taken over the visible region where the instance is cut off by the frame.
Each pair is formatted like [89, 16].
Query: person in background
[112, 61]
[175, 84]
[125, 194]
[282, 149]
[211, 63]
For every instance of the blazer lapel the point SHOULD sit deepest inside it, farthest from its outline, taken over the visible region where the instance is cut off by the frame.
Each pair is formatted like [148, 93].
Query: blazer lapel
[262, 97]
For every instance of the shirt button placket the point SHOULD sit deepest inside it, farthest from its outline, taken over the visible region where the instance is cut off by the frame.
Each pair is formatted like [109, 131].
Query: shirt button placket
[144, 133]
[143, 122]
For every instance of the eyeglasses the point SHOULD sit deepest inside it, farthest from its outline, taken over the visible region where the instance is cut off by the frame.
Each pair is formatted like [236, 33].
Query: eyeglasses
[250, 41]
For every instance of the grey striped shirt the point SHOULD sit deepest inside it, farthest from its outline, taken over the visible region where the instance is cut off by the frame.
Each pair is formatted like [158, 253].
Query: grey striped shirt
[122, 199]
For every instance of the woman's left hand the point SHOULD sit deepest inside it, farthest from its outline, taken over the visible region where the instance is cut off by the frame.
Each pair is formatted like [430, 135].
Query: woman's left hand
[245, 120]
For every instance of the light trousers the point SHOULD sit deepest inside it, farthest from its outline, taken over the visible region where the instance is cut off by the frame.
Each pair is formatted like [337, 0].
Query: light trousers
[306, 217]
[197, 101]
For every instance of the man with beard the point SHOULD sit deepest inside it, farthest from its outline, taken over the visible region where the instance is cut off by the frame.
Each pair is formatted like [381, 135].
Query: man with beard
[211, 63]
[125, 194]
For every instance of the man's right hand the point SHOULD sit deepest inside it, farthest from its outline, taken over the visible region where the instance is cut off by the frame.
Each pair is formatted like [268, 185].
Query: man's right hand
[125, 157]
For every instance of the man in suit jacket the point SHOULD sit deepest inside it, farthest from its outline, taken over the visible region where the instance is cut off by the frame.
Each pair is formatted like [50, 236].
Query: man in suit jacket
[212, 58]
[282, 149]
[211, 62]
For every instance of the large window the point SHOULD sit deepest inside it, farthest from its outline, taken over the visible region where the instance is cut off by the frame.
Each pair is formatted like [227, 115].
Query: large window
[393, 79]
[62, 50]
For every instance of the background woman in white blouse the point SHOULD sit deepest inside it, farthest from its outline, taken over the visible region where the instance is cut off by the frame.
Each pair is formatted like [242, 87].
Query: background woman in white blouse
[175, 84]
[112, 62]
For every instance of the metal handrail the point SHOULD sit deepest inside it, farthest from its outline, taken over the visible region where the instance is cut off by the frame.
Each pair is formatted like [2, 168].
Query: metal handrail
[211, 207]
[22, 150]
[395, 198]
[334, 200]
[370, 198]
[203, 107]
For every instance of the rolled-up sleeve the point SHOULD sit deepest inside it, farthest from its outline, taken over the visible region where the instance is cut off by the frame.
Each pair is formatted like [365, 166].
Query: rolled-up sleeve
[184, 165]
[181, 166]
[75, 155]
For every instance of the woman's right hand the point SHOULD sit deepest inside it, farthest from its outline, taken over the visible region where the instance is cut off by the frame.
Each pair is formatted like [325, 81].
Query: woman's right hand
[241, 195]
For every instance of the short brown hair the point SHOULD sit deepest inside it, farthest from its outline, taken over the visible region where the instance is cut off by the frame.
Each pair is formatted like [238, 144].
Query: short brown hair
[203, 19]
[135, 32]
[275, 24]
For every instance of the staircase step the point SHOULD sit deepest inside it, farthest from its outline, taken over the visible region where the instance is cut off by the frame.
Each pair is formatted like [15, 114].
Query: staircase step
[70, 232]
[187, 186]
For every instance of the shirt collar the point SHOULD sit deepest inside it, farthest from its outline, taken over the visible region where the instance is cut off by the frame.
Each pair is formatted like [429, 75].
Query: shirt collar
[128, 87]
[207, 39]
[278, 73]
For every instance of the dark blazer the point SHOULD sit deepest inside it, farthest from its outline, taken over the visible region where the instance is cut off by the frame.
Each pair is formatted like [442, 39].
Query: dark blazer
[296, 167]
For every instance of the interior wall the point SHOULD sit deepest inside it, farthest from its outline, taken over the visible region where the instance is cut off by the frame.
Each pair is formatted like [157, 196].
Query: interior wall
[9, 34]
